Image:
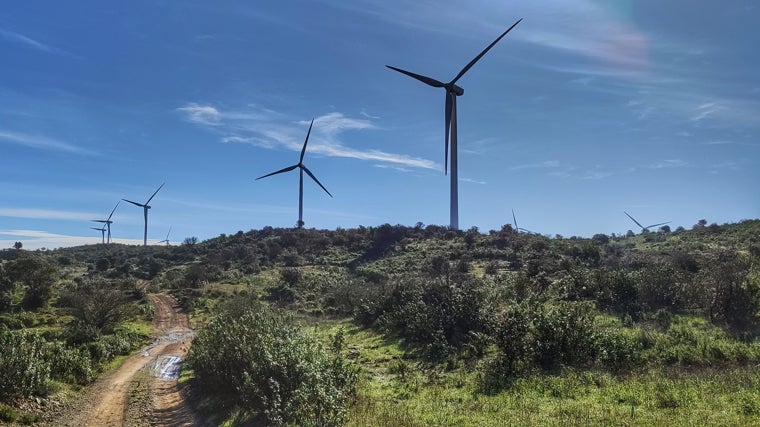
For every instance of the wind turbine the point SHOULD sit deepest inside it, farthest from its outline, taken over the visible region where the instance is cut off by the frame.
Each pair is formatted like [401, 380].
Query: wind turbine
[108, 221]
[302, 168]
[145, 207]
[167, 237]
[102, 233]
[518, 229]
[452, 91]
[643, 229]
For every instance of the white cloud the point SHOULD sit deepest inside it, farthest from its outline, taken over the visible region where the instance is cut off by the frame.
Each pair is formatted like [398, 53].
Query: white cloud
[267, 129]
[41, 142]
[473, 181]
[201, 114]
[46, 214]
[335, 123]
[27, 41]
[36, 239]
[667, 164]
[547, 164]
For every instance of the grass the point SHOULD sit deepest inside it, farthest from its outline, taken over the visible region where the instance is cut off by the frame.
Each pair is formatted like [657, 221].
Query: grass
[399, 391]
[697, 398]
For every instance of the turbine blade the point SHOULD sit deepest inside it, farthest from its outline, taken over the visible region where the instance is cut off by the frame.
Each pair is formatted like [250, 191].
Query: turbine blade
[316, 180]
[114, 210]
[287, 169]
[134, 203]
[637, 223]
[514, 218]
[423, 79]
[449, 109]
[303, 150]
[657, 225]
[477, 58]
[100, 220]
[154, 194]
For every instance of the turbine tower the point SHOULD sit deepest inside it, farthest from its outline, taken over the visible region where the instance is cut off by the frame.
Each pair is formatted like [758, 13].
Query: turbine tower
[145, 207]
[452, 91]
[108, 221]
[102, 233]
[302, 168]
[643, 229]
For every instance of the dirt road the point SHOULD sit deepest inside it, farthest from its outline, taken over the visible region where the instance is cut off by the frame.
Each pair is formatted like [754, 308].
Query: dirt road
[108, 401]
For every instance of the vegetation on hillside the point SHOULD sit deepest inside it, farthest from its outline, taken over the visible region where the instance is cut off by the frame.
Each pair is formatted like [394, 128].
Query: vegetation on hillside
[464, 315]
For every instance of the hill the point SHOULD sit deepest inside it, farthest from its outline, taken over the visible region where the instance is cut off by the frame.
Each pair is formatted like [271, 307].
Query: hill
[445, 327]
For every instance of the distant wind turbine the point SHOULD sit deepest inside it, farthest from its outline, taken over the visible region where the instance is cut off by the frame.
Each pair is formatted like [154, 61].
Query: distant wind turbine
[108, 221]
[145, 207]
[514, 218]
[102, 233]
[643, 229]
[302, 168]
[452, 91]
[166, 240]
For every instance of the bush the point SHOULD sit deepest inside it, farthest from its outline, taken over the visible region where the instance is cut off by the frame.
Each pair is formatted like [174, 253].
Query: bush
[564, 335]
[620, 350]
[70, 365]
[510, 332]
[24, 370]
[267, 366]
[38, 275]
[436, 313]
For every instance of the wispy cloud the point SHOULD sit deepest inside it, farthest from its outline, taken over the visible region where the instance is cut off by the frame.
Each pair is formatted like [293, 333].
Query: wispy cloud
[704, 111]
[201, 114]
[25, 41]
[725, 166]
[595, 174]
[268, 129]
[41, 142]
[36, 239]
[46, 214]
[473, 181]
[667, 164]
[547, 164]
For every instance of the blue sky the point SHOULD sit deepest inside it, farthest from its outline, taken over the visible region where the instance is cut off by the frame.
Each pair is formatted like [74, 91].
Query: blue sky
[585, 110]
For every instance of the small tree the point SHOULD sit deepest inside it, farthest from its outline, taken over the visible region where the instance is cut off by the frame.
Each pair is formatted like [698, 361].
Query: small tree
[18, 245]
[38, 275]
[190, 241]
[7, 286]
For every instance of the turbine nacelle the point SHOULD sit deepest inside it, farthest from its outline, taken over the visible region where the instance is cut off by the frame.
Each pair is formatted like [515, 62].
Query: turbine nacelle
[456, 90]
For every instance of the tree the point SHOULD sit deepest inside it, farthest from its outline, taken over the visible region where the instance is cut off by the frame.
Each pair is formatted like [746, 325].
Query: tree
[190, 241]
[665, 229]
[94, 305]
[18, 245]
[38, 275]
[7, 286]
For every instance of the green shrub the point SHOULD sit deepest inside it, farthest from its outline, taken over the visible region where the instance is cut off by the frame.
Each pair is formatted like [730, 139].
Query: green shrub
[267, 366]
[70, 365]
[620, 350]
[564, 335]
[24, 370]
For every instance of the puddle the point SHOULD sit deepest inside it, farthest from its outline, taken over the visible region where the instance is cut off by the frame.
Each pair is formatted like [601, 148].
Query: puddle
[165, 367]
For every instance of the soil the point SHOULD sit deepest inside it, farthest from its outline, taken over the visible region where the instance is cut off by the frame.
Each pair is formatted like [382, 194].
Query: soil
[145, 389]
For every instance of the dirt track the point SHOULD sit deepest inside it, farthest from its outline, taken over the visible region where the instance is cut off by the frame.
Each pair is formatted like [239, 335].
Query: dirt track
[108, 400]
